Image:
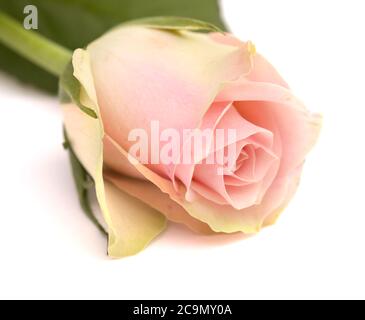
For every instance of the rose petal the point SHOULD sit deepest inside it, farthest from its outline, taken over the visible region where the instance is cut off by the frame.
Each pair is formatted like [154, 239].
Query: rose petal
[267, 105]
[131, 60]
[262, 71]
[206, 176]
[226, 219]
[184, 171]
[131, 224]
[219, 218]
[134, 223]
[153, 197]
[157, 191]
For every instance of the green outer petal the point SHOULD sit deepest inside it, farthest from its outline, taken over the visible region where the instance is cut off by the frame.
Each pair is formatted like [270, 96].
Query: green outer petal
[71, 87]
[136, 225]
[132, 225]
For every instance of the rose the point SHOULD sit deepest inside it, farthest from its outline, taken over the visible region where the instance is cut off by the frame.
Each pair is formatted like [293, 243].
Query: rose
[135, 75]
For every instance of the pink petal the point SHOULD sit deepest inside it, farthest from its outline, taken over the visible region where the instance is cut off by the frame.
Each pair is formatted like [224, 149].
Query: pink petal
[141, 75]
[262, 70]
[153, 190]
[276, 109]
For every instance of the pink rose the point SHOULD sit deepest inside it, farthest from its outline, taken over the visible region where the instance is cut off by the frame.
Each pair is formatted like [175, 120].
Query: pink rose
[135, 75]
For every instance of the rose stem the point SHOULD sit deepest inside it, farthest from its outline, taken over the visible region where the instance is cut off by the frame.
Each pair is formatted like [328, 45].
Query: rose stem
[43, 52]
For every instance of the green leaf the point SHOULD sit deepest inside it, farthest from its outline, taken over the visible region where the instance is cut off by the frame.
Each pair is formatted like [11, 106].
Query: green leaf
[176, 23]
[75, 23]
[83, 184]
[70, 90]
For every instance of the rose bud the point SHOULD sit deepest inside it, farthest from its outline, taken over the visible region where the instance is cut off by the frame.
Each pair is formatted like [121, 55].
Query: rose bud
[180, 80]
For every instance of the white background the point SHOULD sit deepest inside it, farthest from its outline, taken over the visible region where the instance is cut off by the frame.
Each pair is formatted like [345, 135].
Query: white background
[50, 250]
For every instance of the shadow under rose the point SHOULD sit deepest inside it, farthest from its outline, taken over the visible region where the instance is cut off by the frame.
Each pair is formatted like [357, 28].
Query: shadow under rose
[179, 235]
